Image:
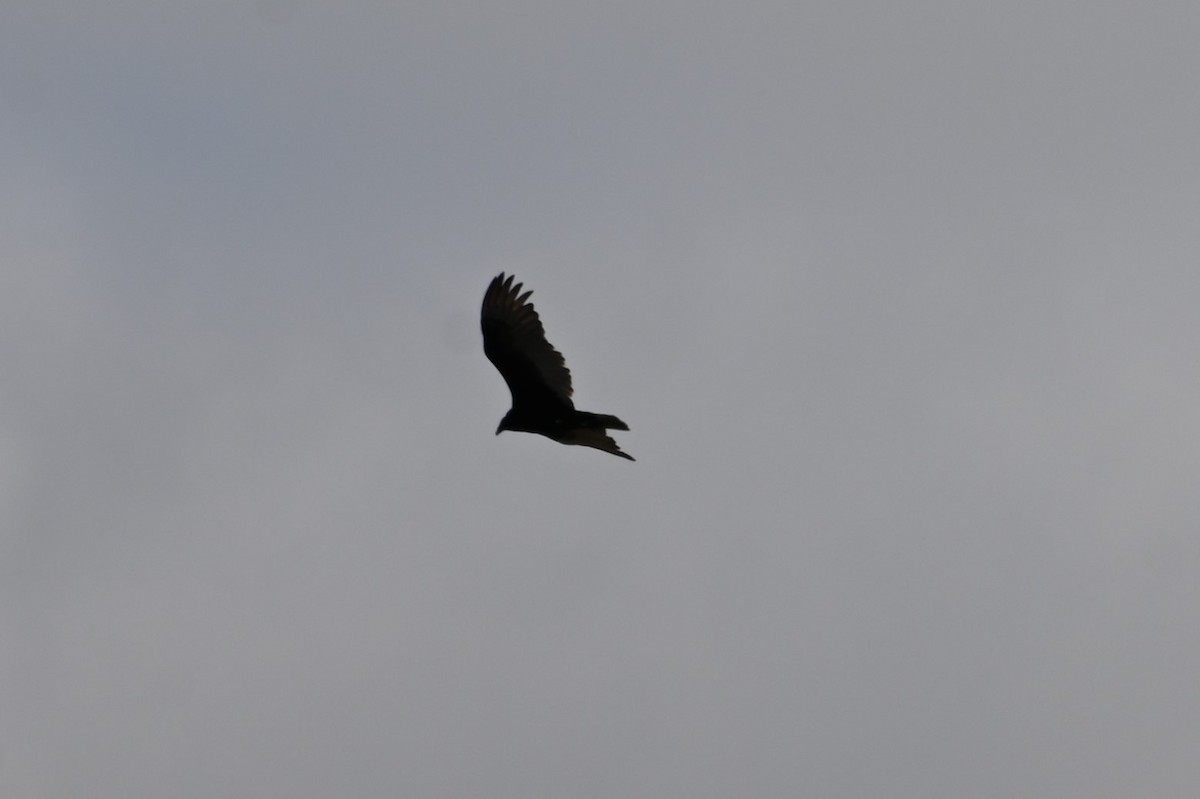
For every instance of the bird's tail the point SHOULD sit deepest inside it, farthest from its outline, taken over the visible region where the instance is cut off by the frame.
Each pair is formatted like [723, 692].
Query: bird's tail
[593, 437]
[601, 420]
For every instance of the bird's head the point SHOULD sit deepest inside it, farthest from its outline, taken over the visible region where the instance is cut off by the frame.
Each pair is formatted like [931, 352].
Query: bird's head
[505, 423]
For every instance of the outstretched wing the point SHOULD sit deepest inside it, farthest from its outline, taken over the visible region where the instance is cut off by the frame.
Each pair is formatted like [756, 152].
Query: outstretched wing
[515, 342]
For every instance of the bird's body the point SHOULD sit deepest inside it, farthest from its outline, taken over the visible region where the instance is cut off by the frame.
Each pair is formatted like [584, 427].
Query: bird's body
[538, 378]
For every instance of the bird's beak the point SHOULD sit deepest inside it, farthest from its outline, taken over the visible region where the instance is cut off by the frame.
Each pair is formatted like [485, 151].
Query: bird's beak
[498, 429]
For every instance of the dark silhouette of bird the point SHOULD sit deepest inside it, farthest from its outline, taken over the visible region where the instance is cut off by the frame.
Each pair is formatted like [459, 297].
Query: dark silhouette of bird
[515, 342]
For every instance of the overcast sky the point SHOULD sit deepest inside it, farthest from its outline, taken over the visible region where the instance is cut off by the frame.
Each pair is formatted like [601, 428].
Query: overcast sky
[898, 298]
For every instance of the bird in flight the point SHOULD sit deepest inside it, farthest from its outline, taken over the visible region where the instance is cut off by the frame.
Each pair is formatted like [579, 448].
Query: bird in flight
[515, 342]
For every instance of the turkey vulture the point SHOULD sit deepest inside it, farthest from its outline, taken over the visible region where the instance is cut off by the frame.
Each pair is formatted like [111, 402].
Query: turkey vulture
[515, 342]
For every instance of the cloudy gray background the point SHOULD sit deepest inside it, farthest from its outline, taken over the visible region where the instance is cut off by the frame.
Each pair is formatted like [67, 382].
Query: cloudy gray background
[899, 300]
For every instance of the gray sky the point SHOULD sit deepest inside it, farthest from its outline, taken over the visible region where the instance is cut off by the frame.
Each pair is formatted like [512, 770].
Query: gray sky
[899, 301]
